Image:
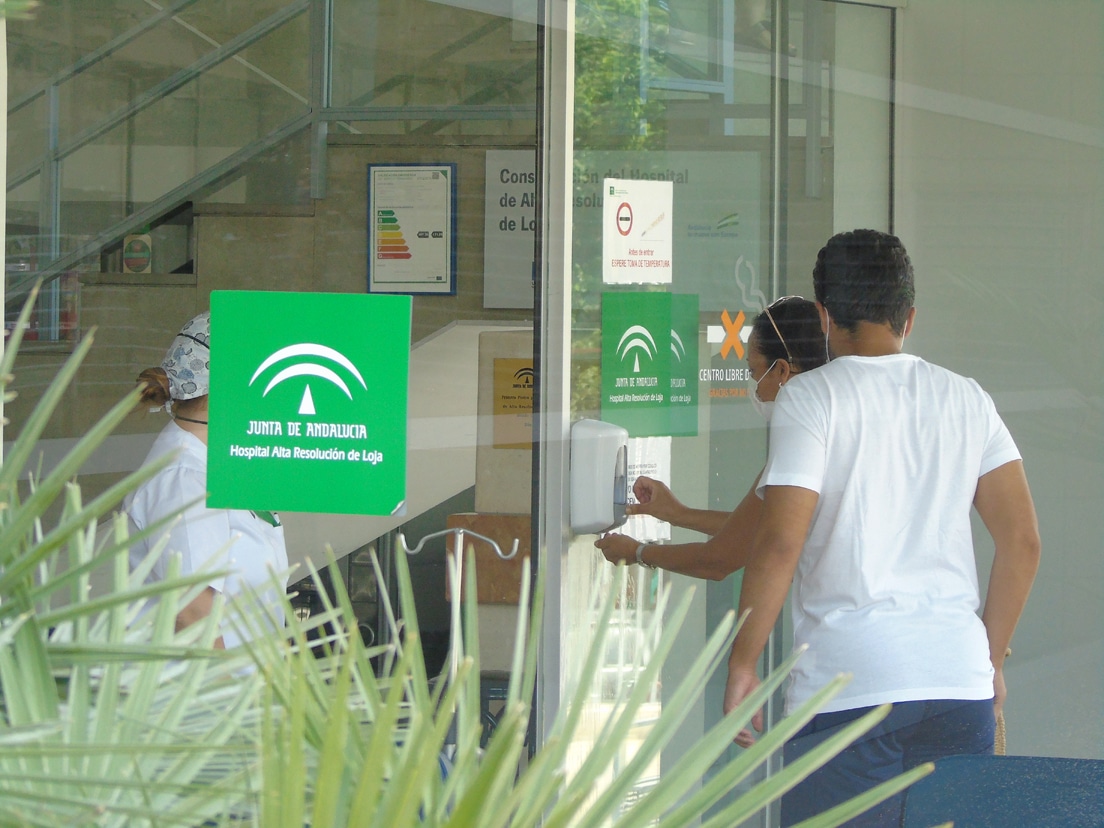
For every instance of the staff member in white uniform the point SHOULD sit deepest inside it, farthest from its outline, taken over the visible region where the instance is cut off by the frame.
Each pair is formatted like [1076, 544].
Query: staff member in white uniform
[250, 545]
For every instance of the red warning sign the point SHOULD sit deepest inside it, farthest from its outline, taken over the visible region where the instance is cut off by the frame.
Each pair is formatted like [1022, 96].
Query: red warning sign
[624, 218]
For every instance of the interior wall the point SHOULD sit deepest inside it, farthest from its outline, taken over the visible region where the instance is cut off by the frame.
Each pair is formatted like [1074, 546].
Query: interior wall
[998, 199]
[861, 128]
[325, 247]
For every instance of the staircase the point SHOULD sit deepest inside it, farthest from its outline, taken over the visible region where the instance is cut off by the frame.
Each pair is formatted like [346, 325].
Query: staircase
[201, 101]
[134, 129]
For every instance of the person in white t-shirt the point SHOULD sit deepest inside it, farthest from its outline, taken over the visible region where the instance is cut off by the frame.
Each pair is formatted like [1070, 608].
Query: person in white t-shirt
[875, 461]
[248, 545]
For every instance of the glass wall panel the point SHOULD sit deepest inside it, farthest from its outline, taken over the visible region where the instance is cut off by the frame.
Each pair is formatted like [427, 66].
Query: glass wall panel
[692, 119]
[133, 111]
[972, 130]
[981, 149]
[226, 146]
[1000, 151]
[468, 66]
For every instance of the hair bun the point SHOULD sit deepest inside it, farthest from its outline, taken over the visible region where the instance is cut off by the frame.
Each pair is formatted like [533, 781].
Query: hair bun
[157, 386]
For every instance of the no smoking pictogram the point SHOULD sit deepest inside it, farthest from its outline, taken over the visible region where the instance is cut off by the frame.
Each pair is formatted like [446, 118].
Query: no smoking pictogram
[624, 218]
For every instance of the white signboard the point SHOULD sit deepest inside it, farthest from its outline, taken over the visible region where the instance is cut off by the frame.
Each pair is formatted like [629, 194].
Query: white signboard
[509, 229]
[637, 223]
[719, 205]
[648, 457]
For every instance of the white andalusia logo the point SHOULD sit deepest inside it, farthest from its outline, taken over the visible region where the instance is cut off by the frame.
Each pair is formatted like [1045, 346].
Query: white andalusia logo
[677, 346]
[636, 338]
[304, 368]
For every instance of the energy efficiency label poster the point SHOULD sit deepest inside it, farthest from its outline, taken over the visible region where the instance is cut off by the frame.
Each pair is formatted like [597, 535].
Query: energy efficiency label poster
[308, 402]
[412, 228]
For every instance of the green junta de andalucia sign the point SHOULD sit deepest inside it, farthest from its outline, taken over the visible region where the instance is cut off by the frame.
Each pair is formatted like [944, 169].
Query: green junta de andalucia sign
[650, 363]
[308, 402]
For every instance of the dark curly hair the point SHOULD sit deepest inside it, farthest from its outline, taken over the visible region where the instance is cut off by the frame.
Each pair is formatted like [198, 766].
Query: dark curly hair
[865, 276]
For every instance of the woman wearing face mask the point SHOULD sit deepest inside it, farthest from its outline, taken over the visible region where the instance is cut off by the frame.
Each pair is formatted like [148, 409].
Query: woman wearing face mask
[786, 339]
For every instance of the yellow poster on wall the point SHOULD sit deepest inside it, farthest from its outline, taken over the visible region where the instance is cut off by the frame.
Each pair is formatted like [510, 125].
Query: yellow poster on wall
[513, 403]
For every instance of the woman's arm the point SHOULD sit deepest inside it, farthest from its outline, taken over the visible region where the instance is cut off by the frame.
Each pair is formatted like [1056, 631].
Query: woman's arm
[196, 610]
[713, 559]
[656, 499]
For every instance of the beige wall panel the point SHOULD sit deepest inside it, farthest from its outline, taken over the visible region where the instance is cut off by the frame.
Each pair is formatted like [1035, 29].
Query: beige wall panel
[134, 325]
[998, 197]
[252, 252]
[503, 476]
[133, 328]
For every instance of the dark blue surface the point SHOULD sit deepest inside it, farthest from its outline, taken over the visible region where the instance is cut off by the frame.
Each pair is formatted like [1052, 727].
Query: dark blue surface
[1008, 792]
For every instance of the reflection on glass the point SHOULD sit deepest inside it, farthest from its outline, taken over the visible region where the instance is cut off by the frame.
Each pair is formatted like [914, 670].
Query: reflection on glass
[437, 55]
[165, 105]
[683, 93]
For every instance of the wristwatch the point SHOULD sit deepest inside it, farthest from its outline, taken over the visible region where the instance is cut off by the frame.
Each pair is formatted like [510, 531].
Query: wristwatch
[640, 556]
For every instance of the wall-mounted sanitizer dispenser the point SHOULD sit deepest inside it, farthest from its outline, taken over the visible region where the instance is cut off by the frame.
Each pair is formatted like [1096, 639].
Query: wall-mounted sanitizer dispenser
[599, 476]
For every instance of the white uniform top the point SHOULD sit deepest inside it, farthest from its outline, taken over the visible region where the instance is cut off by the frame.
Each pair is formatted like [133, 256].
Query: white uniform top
[227, 539]
[886, 586]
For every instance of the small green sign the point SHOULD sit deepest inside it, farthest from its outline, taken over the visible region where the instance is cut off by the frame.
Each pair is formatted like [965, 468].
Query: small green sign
[636, 362]
[684, 365]
[308, 402]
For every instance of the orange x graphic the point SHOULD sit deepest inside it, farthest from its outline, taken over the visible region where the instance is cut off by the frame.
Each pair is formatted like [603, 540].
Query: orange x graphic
[732, 335]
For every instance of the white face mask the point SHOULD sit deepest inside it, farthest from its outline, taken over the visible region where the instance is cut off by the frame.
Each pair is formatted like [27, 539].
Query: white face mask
[765, 408]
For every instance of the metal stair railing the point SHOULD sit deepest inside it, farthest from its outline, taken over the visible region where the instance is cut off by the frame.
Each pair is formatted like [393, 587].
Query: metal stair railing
[105, 51]
[210, 178]
[163, 89]
[437, 57]
[49, 164]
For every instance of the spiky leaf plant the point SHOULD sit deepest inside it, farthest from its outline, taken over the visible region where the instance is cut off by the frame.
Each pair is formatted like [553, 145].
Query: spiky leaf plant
[109, 717]
[344, 748]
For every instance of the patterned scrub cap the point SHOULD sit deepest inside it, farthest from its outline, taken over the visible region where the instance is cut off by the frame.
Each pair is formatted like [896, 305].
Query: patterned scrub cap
[188, 361]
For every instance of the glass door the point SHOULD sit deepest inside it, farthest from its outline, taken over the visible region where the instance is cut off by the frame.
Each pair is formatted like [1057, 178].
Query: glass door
[714, 146]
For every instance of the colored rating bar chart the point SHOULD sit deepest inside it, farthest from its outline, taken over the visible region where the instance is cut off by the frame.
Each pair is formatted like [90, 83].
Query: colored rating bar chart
[390, 243]
[410, 227]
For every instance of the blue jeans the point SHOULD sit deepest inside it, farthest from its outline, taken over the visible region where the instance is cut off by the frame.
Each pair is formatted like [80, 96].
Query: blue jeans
[913, 733]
